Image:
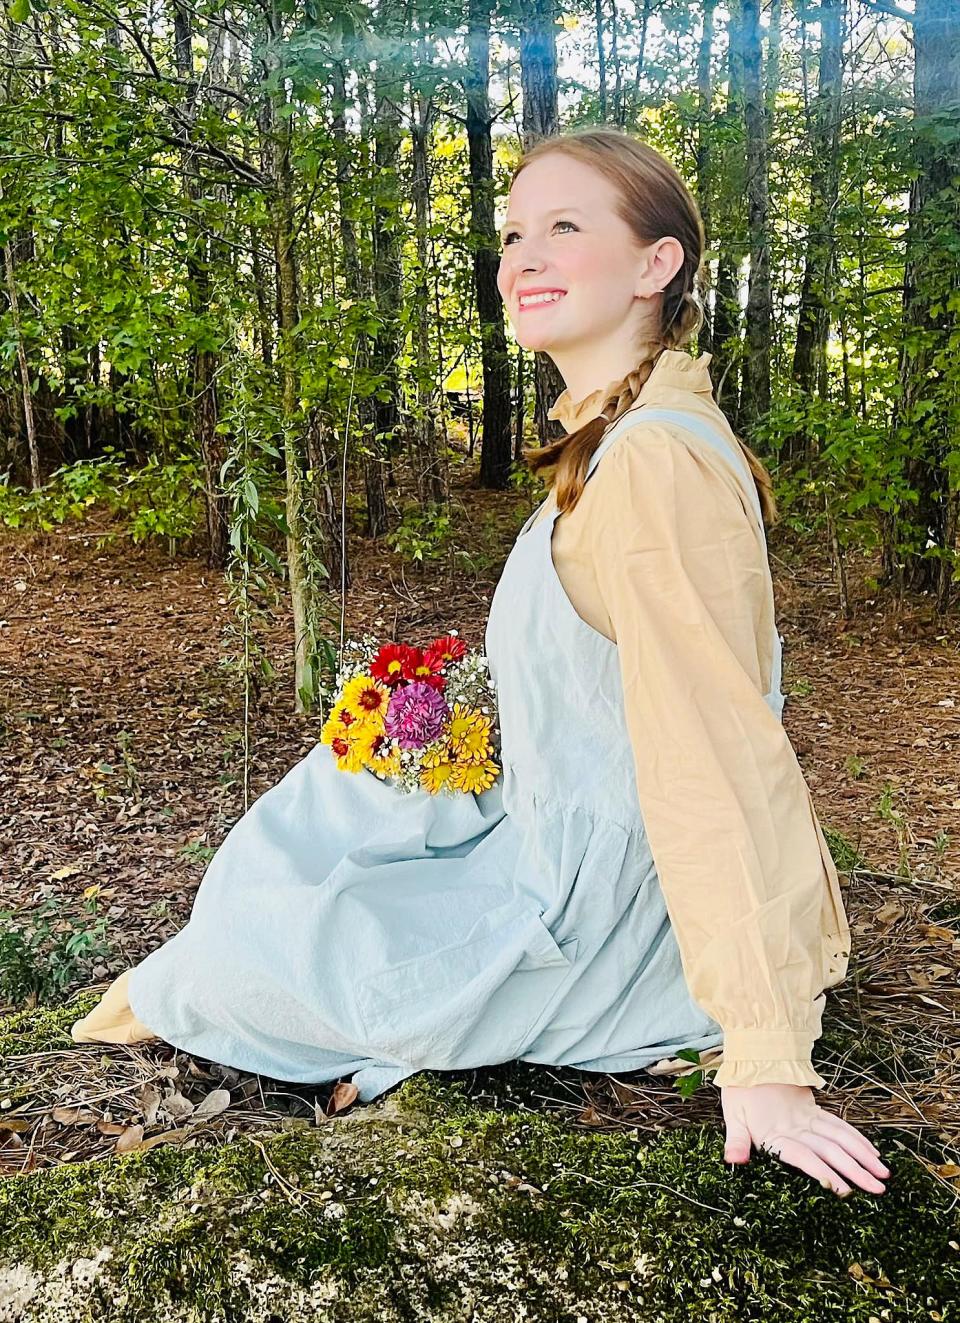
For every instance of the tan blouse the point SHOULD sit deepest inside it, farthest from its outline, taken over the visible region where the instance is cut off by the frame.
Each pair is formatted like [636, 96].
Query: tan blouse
[664, 556]
[748, 880]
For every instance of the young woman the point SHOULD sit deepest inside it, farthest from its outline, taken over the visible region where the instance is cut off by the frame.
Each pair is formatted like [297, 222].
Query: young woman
[649, 873]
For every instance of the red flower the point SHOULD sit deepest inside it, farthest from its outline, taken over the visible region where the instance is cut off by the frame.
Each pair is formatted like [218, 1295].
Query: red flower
[391, 664]
[428, 667]
[401, 663]
[448, 648]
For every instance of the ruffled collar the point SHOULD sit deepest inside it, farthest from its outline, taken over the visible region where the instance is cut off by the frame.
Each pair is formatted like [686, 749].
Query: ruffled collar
[673, 370]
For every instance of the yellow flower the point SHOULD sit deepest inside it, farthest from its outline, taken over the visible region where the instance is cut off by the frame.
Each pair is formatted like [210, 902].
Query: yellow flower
[474, 776]
[350, 754]
[435, 753]
[432, 778]
[469, 733]
[387, 764]
[340, 724]
[366, 699]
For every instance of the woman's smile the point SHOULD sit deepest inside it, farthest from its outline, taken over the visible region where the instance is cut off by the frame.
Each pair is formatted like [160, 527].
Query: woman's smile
[539, 298]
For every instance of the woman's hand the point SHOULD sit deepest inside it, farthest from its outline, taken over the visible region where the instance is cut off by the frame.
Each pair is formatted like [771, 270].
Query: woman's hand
[785, 1120]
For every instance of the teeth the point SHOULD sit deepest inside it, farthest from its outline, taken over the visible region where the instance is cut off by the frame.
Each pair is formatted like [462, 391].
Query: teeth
[527, 301]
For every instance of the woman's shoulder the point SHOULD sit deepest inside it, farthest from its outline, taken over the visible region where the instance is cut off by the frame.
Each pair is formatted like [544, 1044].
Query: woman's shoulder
[696, 447]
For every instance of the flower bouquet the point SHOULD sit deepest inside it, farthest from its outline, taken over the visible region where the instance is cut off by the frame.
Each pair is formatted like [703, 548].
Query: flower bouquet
[423, 718]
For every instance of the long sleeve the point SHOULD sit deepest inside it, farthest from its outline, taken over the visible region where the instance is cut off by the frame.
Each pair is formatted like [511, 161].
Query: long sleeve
[747, 878]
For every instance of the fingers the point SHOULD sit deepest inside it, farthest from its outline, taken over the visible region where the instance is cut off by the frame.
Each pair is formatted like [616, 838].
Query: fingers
[835, 1127]
[797, 1154]
[844, 1162]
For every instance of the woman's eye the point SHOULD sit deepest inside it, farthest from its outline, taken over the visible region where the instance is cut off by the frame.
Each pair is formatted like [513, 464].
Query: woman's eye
[510, 233]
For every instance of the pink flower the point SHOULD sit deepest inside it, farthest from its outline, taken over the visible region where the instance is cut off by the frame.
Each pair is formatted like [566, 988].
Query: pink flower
[415, 714]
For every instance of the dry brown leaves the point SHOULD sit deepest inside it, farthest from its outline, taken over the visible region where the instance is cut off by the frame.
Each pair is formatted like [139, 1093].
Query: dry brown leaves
[120, 765]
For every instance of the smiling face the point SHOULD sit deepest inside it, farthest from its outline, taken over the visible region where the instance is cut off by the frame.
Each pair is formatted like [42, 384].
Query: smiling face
[563, 235]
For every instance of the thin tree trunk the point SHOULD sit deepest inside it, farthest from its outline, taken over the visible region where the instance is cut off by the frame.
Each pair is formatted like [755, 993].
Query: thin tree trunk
[387, 269]
[276, 142]
[704, 162]
[495, 457]
[198, 260]
[813, 320]
[28, 414]
[755, 400]
[427, 459]
[728, 227]
[541, 119]
[601, 58]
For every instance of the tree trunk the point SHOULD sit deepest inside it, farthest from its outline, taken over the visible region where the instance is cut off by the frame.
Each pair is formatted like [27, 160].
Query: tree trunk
[541, 119]
[601, 58]
[813, 321]
[387, 268]
[198, 261]
[729, 224]
[495, 457]
[427, 465]
[276, 141]
[755, 400]
[29, 418]
[704, 163]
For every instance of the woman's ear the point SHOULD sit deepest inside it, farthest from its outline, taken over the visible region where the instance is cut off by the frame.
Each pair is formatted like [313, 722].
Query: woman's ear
[661, 262]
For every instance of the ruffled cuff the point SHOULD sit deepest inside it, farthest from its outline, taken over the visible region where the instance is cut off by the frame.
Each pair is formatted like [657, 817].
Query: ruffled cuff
[743, 1074]
[767, 1056]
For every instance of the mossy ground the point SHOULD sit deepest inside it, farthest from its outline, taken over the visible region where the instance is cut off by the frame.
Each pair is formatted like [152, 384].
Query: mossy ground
[429, 1206]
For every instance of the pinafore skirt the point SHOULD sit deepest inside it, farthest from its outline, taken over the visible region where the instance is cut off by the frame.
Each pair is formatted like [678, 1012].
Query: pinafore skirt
[344, 928]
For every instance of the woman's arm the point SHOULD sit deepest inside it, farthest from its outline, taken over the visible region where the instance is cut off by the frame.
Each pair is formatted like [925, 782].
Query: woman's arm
[755, 904]
[747, 878]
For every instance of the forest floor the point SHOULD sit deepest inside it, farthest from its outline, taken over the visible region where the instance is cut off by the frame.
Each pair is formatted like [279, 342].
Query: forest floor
[122, 766]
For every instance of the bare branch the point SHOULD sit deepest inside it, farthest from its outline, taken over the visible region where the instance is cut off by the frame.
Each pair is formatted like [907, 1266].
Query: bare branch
[889, 8]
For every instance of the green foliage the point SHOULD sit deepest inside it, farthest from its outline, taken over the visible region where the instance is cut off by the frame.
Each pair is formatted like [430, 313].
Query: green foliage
[159, 500]
[696, 1079]
[424, 532]
[44, 953]
[852, 478]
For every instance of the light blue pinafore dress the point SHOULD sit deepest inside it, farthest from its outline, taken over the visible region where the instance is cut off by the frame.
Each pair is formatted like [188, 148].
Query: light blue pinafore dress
[344, 928]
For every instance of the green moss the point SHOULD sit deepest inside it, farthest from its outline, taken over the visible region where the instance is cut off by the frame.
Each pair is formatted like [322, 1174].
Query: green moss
[43, 1029]
[432, 1205]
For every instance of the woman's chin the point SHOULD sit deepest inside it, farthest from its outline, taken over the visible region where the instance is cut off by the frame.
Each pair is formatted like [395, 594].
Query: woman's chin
[533, 342]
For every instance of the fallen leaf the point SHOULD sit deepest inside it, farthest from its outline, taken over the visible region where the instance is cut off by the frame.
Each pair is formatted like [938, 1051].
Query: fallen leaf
[942, 934]
[149, 1100]
[889, 912]
[213, 1104]
[14, 1124]
[74, 1115]
[948, 1169]
[343, 1095]
[176, 1105]
[111, 1127]
[68, 870]
[130, 1139]
[166, 1137]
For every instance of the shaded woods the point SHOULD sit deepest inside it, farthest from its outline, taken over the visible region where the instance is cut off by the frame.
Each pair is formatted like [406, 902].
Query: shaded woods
[250, 261]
